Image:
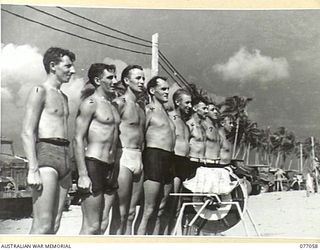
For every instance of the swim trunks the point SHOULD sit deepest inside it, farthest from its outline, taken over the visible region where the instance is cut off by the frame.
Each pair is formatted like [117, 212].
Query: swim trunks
[54, 153]
[102, 175]
[158, 165]
[181, 167]
[131, 159]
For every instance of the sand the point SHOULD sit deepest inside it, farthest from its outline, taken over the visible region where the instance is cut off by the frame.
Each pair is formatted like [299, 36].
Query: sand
[288, 214]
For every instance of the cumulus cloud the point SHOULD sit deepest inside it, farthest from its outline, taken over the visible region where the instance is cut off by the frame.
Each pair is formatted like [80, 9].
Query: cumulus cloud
[21, 69]
[21, 66]
[244, 66]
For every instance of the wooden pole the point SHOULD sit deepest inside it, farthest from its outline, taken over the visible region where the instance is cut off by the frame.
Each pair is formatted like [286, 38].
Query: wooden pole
[155, 55]
[235, 138]
[314, 168]
[248, 153]
[289, 167]
[301, 158]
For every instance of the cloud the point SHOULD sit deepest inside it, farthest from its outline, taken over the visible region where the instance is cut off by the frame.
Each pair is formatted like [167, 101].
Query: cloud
[21, 69]
[244, 66]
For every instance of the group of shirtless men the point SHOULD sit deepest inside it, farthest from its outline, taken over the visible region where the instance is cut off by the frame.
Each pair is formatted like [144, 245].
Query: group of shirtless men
[126, 154]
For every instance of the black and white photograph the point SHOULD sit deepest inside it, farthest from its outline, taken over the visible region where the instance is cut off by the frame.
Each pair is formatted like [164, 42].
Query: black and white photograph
[173, 122]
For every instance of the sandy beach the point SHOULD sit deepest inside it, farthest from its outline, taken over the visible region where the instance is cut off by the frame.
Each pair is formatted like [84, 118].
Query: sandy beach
[276, 215]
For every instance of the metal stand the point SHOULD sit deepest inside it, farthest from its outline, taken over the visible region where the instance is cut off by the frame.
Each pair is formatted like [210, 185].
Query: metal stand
[212, 199]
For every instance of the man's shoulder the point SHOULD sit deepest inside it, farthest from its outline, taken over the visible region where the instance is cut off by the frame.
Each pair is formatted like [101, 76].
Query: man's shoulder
[172, 113]
[120, 100]
[37, 93]
[191, 122]
[89, 102]
[39, 89]
[150, 107]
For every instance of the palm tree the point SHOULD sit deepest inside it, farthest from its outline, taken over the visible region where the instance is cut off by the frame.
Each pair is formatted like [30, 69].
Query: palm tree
[283, 143]
[236, 106]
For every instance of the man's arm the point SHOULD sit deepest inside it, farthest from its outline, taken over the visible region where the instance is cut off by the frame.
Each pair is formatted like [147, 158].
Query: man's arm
[83, 120]
[34, 107]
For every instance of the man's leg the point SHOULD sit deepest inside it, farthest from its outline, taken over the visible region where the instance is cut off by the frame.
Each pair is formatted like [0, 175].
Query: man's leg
[91, 214]
[124, 195]
[151, 193]
[108, 202]
[175, 203]
[162, 220]
[63, 188]
[137, 189]
[44, 202]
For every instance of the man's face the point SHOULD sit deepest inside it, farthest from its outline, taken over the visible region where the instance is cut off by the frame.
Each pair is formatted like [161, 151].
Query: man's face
[161, 91]
[213, 112]
[64, 69]
[184, 104]
[108, 81]
[135, 80]
[228, 124]
[202, 110]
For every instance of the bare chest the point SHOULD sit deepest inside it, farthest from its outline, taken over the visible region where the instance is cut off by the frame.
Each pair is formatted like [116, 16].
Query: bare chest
[56, 104]
[212, 133]
[107, 114]
[132, 115]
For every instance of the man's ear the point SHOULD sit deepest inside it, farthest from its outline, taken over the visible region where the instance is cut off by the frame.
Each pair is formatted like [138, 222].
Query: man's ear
[152, 90]
[52, 66]
[97, 81]
[126, 80]
[177, 103]
[194, 108]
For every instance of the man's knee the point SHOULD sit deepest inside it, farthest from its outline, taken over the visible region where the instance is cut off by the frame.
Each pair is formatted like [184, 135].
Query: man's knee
[43, 225]
[93, 228]
[131, 214]
[148, 211]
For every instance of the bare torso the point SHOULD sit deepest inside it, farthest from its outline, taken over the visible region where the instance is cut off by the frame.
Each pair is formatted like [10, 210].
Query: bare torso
[160, 130]
[226, 148]
[197, 139]
[182, 135]
[213, 140]
[132, 124]
[54, 116]
[103, 130]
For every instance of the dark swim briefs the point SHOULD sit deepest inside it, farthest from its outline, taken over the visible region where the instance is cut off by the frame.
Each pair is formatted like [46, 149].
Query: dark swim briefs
[103, 176]
[158, 165]
[181, 167]
[54, 153]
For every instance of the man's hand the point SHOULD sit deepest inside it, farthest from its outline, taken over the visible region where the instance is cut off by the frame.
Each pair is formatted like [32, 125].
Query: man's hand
[34, 180]
[84, 183]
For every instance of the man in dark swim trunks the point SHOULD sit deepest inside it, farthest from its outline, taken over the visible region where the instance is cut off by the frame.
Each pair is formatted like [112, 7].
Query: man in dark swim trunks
[44, 137]
[179, 116]
[158, 155]
[97, 123]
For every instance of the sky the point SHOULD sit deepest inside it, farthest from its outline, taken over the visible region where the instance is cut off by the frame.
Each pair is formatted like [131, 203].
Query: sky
[272, 56]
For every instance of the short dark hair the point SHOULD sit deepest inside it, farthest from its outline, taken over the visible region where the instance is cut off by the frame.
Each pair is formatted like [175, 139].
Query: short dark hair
[197, 100]
[126, 71]
[177, 95]
[153, 82]
[54, 54]
[96, 70]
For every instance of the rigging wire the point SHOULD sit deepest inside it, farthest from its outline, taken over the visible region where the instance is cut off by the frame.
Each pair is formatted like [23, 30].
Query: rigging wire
[75, 35]
[81, 26]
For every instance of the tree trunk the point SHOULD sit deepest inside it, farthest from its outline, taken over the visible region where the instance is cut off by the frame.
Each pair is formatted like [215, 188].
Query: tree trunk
[248, 153]
[277, 160]
[289, 167]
